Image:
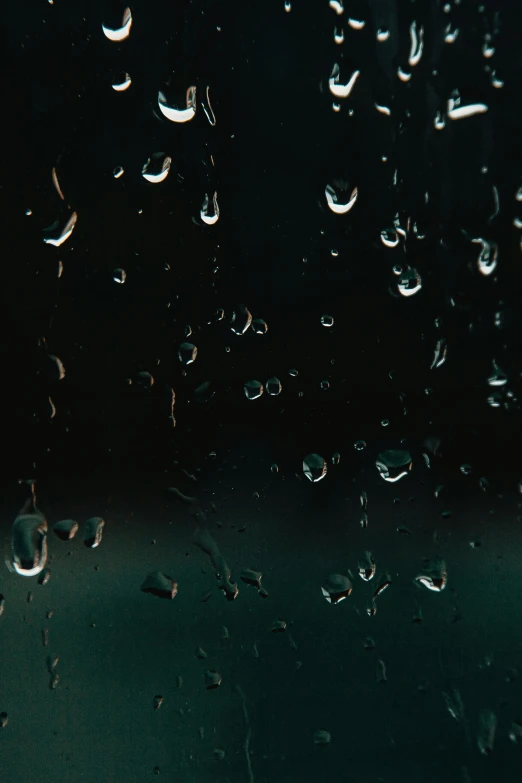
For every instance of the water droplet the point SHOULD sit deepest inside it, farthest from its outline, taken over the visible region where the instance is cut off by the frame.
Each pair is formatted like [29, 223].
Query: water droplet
[337, 6]
[241, 320]
[119, 276]
[409, 282]
[274, 468]
[440, 354]
[157, 702]
[383, 34]
[3, 720]
[179, 115]
[336, 206]
[359, 445]
[160, 585]
[157, 168]
[29, 541]
[404, 76]
[288, 6]
[383, 109]
[498, 377]
[44, 577]
[451, 35]
[466, 469]
[259, 326]
[120, 33]
[273, 386]
[213, 679]
[393, 464]
[314, 467]
[124, 83]
[515, 732]
[253, 390]
[327, 320]
[338, 89]
[339, 35]
[118, 172]
[367, 567]
[336, 458]
[322, 737]
[385, 422]
[434, 576]
[487, 727]
[381, 671]
[187, 353]
[389, 237]
[417, 44]
[356, 24]
[210, 214]
[93, 532]
[293, 372]
[458, 112]
[363, 499]
[488, 256]
[56, 236]
[335, 588]
[251, 577]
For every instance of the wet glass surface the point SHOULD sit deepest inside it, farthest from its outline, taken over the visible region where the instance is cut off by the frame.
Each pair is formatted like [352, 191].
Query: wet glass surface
[261, 492]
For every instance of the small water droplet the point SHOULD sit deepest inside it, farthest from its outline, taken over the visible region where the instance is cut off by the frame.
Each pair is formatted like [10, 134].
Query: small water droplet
[119, 276]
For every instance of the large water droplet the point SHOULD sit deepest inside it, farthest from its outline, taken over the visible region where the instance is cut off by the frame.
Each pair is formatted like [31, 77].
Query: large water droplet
[160, 585]
[120, 33]
[65, 529]
[434, 576]
[314, 467]
[393, 464]
[259, 326]
[336, 587]
[175, 114]
[157, 167]
[335, 204]
[93, 532]
[273, 386]
[56, 235]
[389, 237]
[417, 43]
[241, 319]
[123, 84]
[209, 213]
[253, 390]
[339, 89]
[187, 353]
[29, 543]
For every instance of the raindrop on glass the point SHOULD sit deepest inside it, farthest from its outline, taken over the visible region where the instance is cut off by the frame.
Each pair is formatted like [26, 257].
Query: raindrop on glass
[253, 390]
[393, 464]
[314, 467]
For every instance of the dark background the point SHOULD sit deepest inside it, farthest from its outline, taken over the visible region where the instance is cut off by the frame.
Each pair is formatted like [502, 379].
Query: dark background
[111, 449]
